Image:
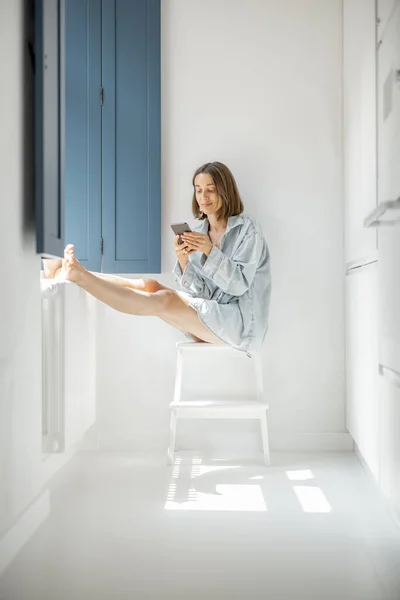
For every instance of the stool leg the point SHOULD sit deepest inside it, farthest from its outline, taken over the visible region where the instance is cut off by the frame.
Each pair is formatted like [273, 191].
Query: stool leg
[178, 377]
[172, 435]
[258, 371]
[264, 437]
[263, 418]
[174, 418]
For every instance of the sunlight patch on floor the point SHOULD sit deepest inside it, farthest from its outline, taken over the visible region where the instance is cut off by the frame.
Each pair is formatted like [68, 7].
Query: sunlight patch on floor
[312, 499]
[227, 498]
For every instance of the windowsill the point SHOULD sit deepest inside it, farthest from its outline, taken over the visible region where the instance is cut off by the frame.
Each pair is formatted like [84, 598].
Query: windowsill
[53, 281]
[51, 287]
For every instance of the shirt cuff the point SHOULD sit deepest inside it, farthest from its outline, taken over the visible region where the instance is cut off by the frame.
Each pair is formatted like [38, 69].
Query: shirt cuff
[212, 262]
[177, 272]
[188, 276]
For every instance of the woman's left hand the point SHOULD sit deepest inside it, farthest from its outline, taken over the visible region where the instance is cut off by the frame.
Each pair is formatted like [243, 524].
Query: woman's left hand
[198, 242]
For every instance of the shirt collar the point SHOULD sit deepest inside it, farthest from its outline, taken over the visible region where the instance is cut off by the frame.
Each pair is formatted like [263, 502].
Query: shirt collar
[232, 222]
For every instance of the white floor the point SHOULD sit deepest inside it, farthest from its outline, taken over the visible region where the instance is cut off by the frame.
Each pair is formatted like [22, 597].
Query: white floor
[309, 527]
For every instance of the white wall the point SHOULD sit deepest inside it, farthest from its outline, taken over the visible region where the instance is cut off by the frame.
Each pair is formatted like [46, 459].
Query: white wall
[259, 87]
[359, 117]
[373, 399]
[24, 470]
[20, 344]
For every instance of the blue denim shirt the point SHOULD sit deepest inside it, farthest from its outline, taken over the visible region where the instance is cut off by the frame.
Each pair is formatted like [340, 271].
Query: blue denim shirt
[231, 287]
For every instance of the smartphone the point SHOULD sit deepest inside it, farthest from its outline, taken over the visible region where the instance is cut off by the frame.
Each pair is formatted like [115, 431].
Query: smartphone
[179, 228]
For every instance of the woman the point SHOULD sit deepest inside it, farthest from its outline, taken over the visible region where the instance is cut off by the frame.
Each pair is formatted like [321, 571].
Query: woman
[223, 268]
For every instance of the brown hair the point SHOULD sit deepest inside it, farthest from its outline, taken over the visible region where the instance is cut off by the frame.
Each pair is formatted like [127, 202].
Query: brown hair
[227, 190]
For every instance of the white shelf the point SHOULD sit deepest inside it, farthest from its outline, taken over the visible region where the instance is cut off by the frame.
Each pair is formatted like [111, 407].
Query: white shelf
[387, 213]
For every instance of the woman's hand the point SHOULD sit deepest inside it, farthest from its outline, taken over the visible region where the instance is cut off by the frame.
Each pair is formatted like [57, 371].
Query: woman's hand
[182, 253]
[197, 242]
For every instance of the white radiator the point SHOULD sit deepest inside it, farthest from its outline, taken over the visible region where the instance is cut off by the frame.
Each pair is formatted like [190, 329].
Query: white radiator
[68, 365]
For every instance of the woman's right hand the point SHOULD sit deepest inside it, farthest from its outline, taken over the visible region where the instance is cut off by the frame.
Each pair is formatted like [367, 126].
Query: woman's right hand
[182, 253]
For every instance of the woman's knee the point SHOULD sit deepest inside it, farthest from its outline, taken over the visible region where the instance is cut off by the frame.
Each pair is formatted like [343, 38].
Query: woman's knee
[169, 302]
[152, 285]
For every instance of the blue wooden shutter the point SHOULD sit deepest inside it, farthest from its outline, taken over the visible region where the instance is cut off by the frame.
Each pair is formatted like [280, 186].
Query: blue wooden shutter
[131, 203]
[83, 130]
[48, 128]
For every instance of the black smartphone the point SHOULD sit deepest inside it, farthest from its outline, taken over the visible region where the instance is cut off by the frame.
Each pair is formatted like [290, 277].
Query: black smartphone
[179, 228]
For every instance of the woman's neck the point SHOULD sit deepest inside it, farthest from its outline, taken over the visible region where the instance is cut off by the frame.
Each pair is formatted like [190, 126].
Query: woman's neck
[217, 225]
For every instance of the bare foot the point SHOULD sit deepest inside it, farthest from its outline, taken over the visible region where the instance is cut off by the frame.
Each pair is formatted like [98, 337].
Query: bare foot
[72, 270]
[51, 266]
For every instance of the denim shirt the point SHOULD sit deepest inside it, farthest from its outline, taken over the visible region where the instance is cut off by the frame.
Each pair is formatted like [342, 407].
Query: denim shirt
[231, 287]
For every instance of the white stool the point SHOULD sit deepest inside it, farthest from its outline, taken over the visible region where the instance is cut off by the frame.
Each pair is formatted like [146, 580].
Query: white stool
[214, 407]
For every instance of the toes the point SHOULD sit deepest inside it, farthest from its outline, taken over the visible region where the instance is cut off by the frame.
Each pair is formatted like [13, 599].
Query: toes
[69, 254]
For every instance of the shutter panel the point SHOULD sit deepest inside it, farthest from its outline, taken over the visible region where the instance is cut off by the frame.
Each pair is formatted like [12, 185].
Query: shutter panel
[131, 166]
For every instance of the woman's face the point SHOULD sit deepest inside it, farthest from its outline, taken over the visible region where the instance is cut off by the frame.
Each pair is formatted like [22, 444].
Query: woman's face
[206, 194]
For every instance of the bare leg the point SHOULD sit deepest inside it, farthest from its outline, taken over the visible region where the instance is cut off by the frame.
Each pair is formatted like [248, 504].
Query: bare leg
[53, 270]
[147, 298]
[52, 267]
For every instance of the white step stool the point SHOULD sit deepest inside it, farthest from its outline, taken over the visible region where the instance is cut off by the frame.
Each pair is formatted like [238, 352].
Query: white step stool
[217, 407]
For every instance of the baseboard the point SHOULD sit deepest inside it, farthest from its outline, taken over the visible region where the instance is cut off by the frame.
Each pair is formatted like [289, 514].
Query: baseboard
[393, 512]
[16, 537]
[282, 441]
[247, 442]
[90, 441]
[139, 444]
[279, 441]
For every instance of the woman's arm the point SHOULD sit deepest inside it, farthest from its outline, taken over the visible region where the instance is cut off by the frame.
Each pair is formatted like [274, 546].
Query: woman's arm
[186, 275]
[235, 275]
[190, 281]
